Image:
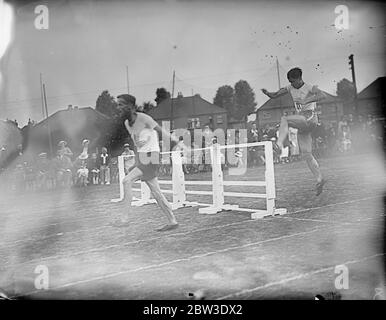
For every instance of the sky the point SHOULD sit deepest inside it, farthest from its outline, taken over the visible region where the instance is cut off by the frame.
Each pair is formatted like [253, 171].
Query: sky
[88, 45]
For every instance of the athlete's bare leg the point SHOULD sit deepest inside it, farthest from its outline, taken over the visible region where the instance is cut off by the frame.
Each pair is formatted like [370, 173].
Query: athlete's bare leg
[128, 181]
[163, 203]
[296, 121]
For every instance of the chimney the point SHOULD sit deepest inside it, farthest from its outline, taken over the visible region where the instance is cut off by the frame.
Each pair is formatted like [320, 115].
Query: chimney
[69, 107]
[76, 107]
[179, 95]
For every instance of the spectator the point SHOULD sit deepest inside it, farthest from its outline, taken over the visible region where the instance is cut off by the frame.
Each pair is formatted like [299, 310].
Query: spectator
[64, 150]
[43, 171]
[80, 166]
[129, 160]
[332, 139]
[207, 143]
[341, 123]
[345, 139]
[93, 168]
[253, 136]
[184, 153]
[82, 172]
[62, 167]
[104, 166]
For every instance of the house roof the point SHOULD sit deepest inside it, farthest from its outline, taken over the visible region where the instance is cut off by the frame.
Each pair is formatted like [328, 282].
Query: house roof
[87, 114]
[375, 89]
[184, 106]
[286, 101]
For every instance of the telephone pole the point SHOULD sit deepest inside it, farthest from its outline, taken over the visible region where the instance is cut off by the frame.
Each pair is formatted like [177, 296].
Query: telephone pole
[278, 79]
[352, 68]
[127, 79]
[48, 124]
[171, 103]
[41, 94]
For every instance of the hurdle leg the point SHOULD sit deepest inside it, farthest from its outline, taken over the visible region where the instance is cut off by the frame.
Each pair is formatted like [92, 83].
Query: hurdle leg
[218, 185]
[270, 187]
[178, 179]
[121, 176]
[145, 196]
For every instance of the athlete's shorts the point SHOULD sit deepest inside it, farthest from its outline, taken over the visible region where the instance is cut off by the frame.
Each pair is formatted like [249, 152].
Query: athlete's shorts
[148, 163]
[305, 124]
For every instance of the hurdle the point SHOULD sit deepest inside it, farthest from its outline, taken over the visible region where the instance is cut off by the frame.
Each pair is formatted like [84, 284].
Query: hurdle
[218, 182]
[121, 176]
[177, 183]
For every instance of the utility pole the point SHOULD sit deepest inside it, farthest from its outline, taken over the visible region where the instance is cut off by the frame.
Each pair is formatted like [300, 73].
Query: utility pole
[41, 94]
[127, 79]
[171, 103]
[278, 79]
[48, 124]
[351, 64]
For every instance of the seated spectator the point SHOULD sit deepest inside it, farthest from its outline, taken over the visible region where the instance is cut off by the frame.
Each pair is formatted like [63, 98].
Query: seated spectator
[93, 169]
[80, 166]
[43, 171]
[104, 166]
[82, 171]
[62, 166]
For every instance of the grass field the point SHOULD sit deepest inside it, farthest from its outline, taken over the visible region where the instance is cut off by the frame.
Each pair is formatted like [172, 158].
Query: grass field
[227, 255]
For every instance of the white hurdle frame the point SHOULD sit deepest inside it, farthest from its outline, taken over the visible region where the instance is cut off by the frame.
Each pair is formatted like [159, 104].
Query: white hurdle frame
[218, 194]
[269, 183]
[177, 182]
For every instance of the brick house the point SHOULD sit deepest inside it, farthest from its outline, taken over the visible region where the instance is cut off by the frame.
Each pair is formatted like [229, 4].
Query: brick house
[190, 113]
[371, 100]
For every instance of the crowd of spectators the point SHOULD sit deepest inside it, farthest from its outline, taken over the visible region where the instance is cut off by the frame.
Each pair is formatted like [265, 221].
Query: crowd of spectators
[39, 172]
[64, 170]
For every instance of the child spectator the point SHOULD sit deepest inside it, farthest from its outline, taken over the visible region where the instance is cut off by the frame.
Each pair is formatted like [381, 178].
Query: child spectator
[93, 168]
[104, 166]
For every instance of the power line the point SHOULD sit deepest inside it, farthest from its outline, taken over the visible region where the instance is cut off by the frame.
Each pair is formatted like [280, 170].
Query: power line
[191, 78]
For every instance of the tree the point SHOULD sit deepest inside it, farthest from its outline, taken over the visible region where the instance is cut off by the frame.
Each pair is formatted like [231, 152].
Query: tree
[162, 94]
[224, 97]
[147, 106]
[244, 99]
[239, 102]
[106, 104]
[345, 90]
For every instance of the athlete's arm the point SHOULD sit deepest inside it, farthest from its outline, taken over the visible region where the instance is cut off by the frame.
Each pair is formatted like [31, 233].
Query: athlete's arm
[315, 96]
[276, 94]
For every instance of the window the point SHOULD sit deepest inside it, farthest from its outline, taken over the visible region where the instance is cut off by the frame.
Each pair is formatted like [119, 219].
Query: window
[197, 123]
[193, 123]
[219, 119]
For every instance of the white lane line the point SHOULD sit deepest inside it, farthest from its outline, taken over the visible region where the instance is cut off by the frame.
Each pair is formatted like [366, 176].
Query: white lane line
[127, 243]
[293, 278]
[189, 232]
[154, 266]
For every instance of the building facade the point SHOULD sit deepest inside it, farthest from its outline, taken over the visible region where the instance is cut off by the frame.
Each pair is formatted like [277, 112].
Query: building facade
[190, 113]
[329, 110]
[371, 100]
